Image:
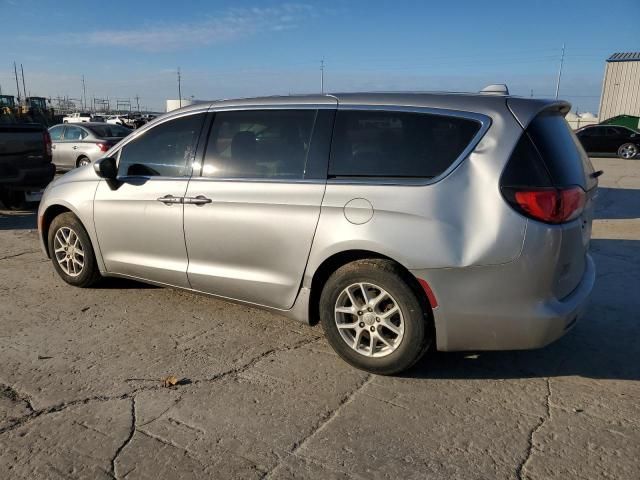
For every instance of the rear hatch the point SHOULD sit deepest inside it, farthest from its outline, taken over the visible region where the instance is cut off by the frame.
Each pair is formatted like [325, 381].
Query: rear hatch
[551, 180]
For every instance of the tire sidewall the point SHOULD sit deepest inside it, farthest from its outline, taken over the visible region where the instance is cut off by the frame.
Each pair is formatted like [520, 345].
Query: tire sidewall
[414, 341]
[89, 272]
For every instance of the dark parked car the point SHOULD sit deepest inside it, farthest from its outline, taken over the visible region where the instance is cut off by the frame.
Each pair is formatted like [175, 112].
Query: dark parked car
[610, 139]
[25, 161]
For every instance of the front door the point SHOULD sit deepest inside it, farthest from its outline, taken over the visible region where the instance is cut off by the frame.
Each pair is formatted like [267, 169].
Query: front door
[250, 218]
[138, 220]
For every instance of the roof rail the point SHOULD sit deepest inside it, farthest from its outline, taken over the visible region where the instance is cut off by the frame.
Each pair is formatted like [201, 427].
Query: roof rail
[496, 89]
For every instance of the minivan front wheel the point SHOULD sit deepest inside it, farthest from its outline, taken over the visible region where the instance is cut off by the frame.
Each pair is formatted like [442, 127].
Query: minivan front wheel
[71, 251]
[373, 318]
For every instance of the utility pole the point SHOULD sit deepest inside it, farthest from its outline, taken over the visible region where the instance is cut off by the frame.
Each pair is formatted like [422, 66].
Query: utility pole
[15, 72]
[24, 88]
[179, 89]
[560, 72]
[322, 76]
[138, 102]
[532, 93]
[84, 94]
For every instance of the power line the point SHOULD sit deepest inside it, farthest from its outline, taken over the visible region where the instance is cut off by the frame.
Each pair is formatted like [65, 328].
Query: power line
[560, 72]
[179, 89]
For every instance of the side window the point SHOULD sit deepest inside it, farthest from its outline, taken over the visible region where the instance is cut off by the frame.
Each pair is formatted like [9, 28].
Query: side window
[270, 144]
[397, 144]
[73, 133]
[165, 150]
[613, 131]
[56, 133]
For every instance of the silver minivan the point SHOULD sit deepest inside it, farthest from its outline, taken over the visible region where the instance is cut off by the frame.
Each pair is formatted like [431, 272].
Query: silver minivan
[400, 221]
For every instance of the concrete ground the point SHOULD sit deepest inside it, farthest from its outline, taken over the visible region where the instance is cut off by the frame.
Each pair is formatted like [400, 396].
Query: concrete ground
[264, 397]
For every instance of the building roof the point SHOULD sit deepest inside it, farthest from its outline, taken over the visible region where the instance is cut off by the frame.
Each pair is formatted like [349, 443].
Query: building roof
[624, 57]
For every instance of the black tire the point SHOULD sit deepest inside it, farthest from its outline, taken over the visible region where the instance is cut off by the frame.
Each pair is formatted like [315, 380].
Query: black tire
[79, 162]
[392, 278]
[13, 199]
[89, 274]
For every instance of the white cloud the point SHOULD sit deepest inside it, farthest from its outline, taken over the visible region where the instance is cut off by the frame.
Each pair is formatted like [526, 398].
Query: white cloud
[232, 24]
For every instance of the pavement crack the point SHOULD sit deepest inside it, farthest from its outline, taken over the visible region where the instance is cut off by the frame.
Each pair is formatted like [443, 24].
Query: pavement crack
[324, 421]
[132, 431]
[235, 371]
[34, 414]
[25, 419]
[522, 468]
[12, 394]
[6, 257]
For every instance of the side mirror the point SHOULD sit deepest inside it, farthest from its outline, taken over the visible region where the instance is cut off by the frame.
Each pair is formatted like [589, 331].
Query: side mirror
[106, 168]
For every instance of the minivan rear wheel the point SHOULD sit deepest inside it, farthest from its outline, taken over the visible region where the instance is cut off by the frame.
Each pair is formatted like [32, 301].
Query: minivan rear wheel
[82, 161]
[373, 318]
[71, 251]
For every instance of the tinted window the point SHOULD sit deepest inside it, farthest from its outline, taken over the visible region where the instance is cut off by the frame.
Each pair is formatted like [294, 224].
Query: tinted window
[270, 144]
[108, 130]
[561, 151]
[56, 133]
[166, 150]
[397, 144]
[74, 133]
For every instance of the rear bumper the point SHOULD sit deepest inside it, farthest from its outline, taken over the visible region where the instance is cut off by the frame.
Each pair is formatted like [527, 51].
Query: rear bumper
[487, 308]
[32, 178]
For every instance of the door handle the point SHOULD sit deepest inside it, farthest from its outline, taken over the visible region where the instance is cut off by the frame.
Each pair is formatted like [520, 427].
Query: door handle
[170, 199]
[199, 200]
[75, 147]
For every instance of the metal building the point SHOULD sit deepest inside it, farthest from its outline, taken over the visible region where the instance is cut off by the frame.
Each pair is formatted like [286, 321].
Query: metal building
[621, 86]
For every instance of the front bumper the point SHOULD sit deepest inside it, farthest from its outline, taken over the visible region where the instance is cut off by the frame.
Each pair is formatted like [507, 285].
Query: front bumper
[486, 308]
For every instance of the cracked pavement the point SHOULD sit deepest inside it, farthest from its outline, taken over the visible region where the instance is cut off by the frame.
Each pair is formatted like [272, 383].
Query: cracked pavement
[265, 397]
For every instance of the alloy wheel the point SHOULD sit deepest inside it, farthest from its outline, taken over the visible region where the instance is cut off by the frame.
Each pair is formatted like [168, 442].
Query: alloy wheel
[628, 151]
[68, 251]
[369, 320]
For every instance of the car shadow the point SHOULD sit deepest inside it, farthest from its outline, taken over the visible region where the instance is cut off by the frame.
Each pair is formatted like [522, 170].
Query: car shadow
[603, 345]
[617, 203]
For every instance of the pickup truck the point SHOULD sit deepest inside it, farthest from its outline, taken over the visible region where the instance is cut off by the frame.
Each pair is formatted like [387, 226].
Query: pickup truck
[25, 161]
[81, 117]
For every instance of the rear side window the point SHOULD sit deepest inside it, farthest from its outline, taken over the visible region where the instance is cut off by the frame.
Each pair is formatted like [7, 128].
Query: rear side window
[561, 151]
[397, 144]
[74, 133]
[260, 144]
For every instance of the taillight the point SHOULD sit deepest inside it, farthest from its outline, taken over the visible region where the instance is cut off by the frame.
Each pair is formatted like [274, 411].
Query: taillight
[550, 205]
[103, 146]
[47, 143]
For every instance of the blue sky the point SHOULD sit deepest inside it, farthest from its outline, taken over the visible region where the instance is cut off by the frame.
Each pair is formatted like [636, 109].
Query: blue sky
[247, 48]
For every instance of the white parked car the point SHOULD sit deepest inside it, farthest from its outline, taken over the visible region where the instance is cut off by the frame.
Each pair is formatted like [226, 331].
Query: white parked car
[118, 120]
[78, 117]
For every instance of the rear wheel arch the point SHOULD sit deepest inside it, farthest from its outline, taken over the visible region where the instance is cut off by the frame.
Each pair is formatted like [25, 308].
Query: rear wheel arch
[337, 260]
